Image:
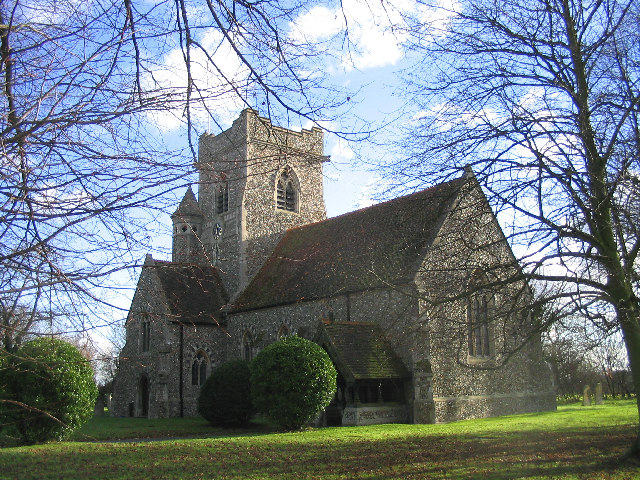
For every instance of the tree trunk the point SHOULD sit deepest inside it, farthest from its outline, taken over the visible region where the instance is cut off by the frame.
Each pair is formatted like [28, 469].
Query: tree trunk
[628, 319]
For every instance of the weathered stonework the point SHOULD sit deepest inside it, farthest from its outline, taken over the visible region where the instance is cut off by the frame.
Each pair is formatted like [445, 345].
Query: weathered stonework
[249, 157]
[374, 415]
[267, 268]
[504, 382]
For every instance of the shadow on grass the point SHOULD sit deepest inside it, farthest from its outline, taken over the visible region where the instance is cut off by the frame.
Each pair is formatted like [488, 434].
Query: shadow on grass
[341, 453]
[126, 429]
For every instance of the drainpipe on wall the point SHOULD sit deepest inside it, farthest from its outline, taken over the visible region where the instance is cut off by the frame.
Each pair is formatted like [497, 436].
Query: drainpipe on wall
[181, 369]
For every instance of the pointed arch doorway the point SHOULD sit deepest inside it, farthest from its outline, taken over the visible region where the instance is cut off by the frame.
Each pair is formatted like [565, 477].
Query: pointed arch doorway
[143, 397]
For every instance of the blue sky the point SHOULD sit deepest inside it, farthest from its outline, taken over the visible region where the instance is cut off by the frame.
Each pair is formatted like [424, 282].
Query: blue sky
[369, 66]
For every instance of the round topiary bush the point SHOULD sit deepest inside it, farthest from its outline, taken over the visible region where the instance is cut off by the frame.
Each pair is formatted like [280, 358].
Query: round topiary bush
[52, 388]
[292, 380]
[225, 398]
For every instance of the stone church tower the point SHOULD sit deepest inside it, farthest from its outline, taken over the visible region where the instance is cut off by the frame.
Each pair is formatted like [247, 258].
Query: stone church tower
[256, 181]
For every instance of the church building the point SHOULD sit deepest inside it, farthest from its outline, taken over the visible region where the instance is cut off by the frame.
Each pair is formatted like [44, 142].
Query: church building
[407, 297]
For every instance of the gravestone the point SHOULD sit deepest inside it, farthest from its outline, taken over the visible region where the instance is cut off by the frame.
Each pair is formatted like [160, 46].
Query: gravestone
[599, 397]
[586, 396]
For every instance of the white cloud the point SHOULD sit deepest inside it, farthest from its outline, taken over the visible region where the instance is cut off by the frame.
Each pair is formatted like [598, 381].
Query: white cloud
[435, 18]
[447, 116]
[376, 31]
[318, 23]
[341, 151]
[370, 193]
[214, 90]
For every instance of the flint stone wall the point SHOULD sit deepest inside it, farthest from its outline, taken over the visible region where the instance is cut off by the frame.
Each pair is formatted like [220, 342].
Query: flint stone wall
[160, 365]
[503, 382]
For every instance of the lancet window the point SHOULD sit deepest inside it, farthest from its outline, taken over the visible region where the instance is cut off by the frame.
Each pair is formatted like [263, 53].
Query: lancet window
[480, 308]
[199, 368]
[222, 198]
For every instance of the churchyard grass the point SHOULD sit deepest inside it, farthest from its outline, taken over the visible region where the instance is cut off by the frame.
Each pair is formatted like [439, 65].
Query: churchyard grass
[111, 428]
[573, 443]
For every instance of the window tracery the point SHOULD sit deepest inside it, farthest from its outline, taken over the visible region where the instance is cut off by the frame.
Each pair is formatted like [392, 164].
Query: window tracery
[283, 332]
[287, 191]
[199, 368]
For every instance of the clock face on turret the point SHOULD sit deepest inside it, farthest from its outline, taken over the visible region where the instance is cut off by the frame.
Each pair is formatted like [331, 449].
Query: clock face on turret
[217, 230]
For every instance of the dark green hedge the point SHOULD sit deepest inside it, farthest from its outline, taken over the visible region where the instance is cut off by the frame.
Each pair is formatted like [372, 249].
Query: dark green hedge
[225, 398]
[51, 387]
[292, 380]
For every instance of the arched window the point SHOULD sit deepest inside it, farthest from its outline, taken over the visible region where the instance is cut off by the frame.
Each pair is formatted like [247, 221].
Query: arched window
[199, 368]
[247, 346]
[287, 191]
[283, 332]
[222, 198]
[479, 313]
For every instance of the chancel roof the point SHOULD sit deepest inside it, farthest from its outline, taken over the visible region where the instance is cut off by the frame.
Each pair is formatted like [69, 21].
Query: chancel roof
[194, 293]
[360, 351]
[374, 247]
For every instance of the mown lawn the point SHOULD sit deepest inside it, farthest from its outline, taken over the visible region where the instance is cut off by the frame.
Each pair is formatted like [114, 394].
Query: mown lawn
[575, 442]
[107, 428]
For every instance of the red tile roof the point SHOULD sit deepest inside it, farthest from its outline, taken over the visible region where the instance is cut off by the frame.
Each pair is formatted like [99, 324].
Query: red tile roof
[365, 249]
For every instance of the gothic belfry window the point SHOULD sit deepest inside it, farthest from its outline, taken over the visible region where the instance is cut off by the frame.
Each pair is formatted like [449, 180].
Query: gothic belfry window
[222, 198]
[287, 191]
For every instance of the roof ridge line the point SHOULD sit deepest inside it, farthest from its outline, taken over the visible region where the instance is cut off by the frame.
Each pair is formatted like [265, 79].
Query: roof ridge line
[380, 204]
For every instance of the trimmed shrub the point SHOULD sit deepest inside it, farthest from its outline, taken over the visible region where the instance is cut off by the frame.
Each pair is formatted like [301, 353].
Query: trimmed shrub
[53, 387]
[292, 380]
[225, 398]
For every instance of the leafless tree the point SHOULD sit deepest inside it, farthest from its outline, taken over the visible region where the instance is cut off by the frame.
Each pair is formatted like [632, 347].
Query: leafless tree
[541, 98]
[581, 355]
[86, 88]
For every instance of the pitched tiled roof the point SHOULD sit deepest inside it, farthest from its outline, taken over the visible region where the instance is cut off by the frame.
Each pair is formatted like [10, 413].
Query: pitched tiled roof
[195, 293]
[368, 248]
[360, 351]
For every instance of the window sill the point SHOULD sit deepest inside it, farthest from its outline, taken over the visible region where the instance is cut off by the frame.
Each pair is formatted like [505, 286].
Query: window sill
[288, 212]
[476, 360]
